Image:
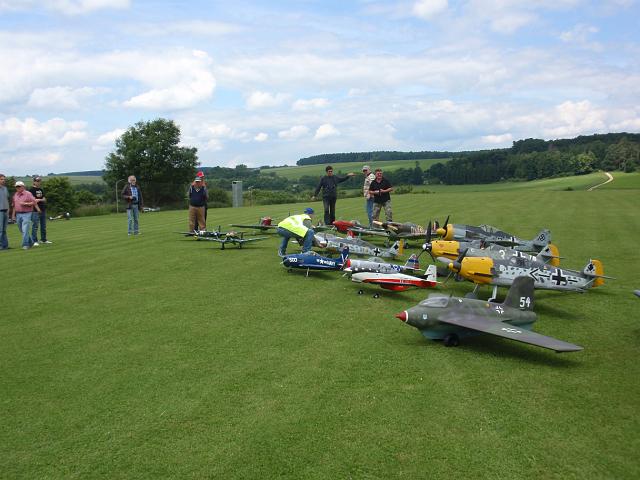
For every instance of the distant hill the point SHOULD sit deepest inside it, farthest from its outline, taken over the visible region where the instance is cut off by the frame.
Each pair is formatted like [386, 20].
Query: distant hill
[88, 173]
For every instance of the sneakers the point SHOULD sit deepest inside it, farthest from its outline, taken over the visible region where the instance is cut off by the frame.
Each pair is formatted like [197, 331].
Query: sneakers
[47, 242]
[36, 244]
[25, 248]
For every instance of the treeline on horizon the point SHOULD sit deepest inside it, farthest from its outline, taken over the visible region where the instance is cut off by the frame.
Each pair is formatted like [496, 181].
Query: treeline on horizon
[527, 159]
[371, 157]
[532, 159]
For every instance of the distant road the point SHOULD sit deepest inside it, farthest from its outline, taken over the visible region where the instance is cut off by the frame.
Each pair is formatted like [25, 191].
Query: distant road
[609, 179]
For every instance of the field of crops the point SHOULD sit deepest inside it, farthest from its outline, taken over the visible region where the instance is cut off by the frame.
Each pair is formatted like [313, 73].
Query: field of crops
[161, 357]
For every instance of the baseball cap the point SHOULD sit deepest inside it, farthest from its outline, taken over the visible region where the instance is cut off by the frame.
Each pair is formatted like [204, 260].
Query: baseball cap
[366, 167]
[19, 184]
[308, 211]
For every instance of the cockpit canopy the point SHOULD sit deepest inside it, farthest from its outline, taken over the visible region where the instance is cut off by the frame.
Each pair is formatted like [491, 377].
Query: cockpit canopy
[436, 302]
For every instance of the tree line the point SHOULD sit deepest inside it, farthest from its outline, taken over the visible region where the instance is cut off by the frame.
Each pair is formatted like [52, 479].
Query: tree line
[532, 159]
[371, 157]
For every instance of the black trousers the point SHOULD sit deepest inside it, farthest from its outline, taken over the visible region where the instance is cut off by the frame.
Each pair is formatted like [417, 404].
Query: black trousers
[329, 209]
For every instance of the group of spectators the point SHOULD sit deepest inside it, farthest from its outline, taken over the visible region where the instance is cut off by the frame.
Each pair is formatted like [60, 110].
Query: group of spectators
[197, 194]
[377, 193]
[28, 209]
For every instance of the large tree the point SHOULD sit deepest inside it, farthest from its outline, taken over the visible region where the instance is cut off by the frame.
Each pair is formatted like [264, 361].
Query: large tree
[150, 151]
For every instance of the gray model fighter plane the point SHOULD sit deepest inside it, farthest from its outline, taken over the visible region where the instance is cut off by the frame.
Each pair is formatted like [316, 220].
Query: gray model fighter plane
[490, 234]
[356, 246]
[235, 238]
[497, 272]
[451, 318]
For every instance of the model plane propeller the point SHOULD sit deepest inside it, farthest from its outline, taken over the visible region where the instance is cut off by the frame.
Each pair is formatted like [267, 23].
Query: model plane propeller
[451, 318]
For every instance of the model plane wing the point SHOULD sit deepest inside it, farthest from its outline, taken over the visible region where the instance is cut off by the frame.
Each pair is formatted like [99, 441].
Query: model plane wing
[505, 330]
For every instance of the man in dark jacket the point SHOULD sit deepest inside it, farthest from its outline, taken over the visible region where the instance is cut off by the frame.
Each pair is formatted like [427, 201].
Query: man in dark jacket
[133, 195]
[198, 197]
[380, 188]
[329, 185]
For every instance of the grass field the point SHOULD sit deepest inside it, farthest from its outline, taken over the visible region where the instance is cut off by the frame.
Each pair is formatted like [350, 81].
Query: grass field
[73, 179]
[293, 173]
[161, 357]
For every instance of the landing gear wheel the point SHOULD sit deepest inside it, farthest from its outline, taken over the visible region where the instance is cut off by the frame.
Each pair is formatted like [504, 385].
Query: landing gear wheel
[376, 295]
[360, 292]
[451, 340]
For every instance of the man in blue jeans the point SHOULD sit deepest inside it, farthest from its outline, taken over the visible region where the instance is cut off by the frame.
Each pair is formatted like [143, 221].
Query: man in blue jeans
[4, 212]
[133, 195]
[298, 227]
[39, 219]
[23, 206]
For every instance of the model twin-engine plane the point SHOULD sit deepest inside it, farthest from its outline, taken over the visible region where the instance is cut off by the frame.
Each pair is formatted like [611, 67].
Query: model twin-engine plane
[451, 318]
[489, 234]
[223, 238]
[356, 246]
[313, 261]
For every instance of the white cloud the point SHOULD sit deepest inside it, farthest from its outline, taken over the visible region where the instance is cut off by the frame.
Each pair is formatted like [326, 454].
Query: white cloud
[31, 133]
[326, 130]
[498, 139]
[26, 163]
[66, 7]
[183, 82]
[294, 132]
[60, 98]
[261, 137]
[265, 100]
[313, 103]
[428, 9]
[107, 140]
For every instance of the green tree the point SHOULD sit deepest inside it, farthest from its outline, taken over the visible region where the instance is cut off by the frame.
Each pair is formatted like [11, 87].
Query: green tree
[85, 197]
[60, 195]
[150, 151]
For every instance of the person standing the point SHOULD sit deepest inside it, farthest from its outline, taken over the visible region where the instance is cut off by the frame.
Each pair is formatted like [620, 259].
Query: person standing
[133, 195]
[298, 227]
[198, 197]
[39, 218]
[381, 188]
[368, 198]
[4, 212]
[23, 206]
[329, 185]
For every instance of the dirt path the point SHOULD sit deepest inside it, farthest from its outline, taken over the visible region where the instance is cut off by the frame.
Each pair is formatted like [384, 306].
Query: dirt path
[609, 179]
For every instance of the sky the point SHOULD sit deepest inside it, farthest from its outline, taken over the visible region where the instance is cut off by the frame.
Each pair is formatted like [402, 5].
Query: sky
[269, 82]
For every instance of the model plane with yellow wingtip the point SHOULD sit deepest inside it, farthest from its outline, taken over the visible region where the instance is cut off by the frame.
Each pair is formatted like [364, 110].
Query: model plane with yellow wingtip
[502, 273]
[489, 234]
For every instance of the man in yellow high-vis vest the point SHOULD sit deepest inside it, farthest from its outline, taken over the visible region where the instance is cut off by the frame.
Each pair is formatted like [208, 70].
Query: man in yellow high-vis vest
[298, 227]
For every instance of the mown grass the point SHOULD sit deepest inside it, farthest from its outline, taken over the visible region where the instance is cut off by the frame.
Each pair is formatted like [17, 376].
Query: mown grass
[294, 173]
[161, 357]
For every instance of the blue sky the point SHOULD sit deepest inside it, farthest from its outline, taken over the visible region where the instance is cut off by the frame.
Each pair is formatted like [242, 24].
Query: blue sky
[266, 83]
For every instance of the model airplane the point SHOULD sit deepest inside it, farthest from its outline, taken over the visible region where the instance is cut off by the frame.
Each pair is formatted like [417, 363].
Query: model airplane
[200, 234]
[264, 224]
[313, 261]
[151, 209]
[398, 281]
[65, 215]
[451, 318]
[376, 265]
[490, 234]
[489, 271]
[354, 227]
[235, 238]
[356, 246]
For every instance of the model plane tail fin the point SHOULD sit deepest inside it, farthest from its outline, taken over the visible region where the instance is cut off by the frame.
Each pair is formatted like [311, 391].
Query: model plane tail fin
[413, 263]
[595, 269]
[550, 255]
[542, 239]
[344, 254]
[520, 294]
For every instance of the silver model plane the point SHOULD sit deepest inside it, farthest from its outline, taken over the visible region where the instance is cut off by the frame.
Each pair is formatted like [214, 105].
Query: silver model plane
[356, 246]
[451, 318]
